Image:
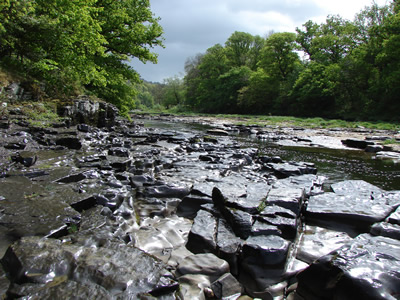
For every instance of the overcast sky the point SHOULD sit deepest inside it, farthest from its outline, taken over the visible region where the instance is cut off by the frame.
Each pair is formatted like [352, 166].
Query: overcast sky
[193, 26]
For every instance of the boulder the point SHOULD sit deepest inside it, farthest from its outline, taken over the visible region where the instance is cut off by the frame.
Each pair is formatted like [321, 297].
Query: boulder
[366, 268]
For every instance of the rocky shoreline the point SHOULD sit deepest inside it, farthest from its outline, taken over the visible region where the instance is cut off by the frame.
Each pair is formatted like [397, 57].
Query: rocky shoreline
[116, 210]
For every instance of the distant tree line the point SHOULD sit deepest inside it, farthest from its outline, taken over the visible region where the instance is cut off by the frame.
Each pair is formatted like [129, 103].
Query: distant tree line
[337, 69]
[79, 46]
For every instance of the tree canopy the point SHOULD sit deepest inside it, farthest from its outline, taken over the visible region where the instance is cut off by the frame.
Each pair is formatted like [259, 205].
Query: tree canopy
[80, 43]
[336, 69]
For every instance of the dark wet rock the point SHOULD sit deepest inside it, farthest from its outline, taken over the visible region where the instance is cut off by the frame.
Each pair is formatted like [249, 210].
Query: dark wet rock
[241, 222]
[195, 286]
[386, 229]
[316, 242]
[287, 226]
[190, 205]
[218, 132]
[119, 164]
[4, 124]
[15, 146]
[4, 283]
[108, 266]
[72, 178]
[203, 264]
[166, 191]
[273, 211]
[118, 151]
[252, 200]
[312, 184]
[269, 250]
[356, 143]
[284, 170]
[263, 261]
[228, 245]
[226, 286]
[141, 180]
[394, 217]
[70, 142]
[26, 161]
[356, 186]
[374, 148]
[202, 236]
[263, 228]
[61, 288]
[84, 110]
[84, 128]
[358, 205]
[84, 204]
[25, 212]
[367, 268]
[291, 198]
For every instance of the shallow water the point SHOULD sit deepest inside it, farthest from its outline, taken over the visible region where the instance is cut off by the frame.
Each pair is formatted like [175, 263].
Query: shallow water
[335, 164]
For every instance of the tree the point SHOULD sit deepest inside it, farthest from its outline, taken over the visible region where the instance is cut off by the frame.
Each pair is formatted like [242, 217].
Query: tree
[173, 92]
[328, 42]
[278, 57]
[243, 49]
[68, 44]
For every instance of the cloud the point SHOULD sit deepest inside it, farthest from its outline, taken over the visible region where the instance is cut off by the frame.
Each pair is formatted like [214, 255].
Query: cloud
[192, 26]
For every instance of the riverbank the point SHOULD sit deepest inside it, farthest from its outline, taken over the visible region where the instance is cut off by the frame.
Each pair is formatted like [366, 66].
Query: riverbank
[126, 210]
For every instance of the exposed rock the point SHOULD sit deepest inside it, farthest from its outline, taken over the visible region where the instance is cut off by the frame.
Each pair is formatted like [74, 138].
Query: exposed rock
[4, 283]
[394, 217]
[367, 268]
[386, 229]
[316, 242]
[109, 267]
[218, 132]
[24, 212]
[358, 205]
[202, 236]
[284, 170]
[190, 205]
[69, 142]
[166, 191]
[228, 245]
[357, 143]
[84, 110]
[204, 264]
[226, 286]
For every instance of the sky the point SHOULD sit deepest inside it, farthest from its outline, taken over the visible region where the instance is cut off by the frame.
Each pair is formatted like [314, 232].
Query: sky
[193, 26]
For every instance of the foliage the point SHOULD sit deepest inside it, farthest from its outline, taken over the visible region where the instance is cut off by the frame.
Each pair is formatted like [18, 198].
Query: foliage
[350, 70]
[82, 43]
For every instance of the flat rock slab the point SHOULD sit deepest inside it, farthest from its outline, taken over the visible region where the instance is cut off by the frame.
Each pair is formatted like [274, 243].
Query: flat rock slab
[316, 242]
[26, 210]
[355, 204]
[203, 264]
[366, 268]
[113, 270]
